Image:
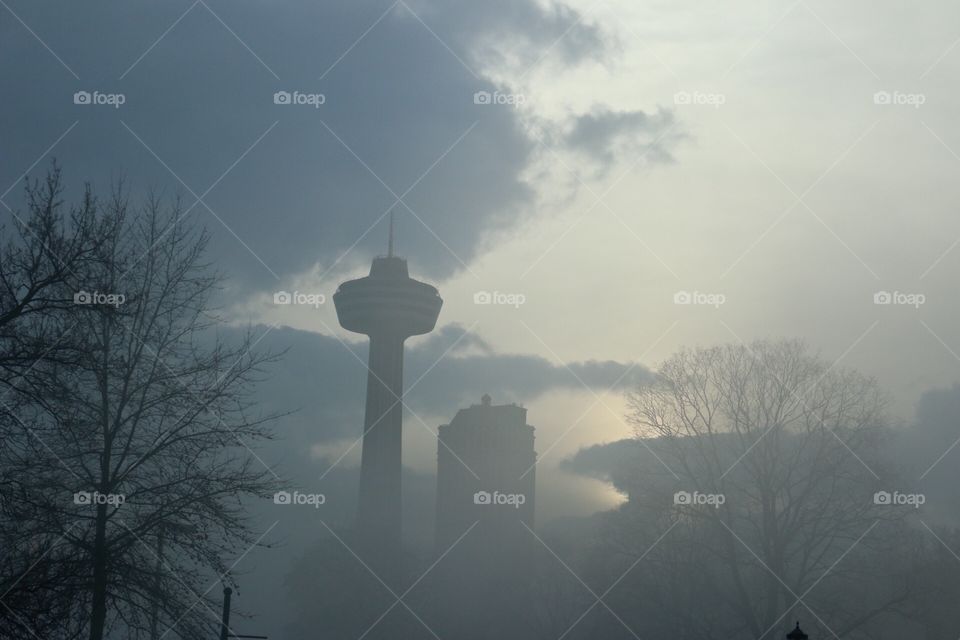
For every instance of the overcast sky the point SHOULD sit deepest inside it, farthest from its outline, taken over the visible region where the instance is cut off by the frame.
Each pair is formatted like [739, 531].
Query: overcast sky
[780, 163]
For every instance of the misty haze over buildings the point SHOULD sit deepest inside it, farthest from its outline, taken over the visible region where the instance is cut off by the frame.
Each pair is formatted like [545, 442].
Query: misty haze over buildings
[600, 193]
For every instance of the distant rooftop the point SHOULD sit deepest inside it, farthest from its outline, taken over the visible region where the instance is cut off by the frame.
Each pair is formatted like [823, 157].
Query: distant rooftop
[487, 401]
[489, 415]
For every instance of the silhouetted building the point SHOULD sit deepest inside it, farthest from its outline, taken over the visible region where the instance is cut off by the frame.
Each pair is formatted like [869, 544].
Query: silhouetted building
[389, 307]
[486, 480]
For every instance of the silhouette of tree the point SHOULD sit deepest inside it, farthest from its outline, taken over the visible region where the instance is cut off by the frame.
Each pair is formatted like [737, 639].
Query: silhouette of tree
[791, 444]
[133, 449]
[49, 246]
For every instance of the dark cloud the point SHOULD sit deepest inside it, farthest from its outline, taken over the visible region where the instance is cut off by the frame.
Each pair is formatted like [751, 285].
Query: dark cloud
[200, 93]
[505, 31]
[614, 462]
[604, 135]
[460, 379]
[325, 382]
[919, 457]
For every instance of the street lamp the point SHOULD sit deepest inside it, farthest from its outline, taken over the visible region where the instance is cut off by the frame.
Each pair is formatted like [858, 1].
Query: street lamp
[225, 633]
[797, 634]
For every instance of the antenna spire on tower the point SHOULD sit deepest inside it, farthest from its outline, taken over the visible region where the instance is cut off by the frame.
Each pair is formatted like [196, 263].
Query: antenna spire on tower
[390, 238]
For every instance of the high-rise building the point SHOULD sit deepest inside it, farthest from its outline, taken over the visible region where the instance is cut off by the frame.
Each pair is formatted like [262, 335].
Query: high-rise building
[486, 485]
[389, 307]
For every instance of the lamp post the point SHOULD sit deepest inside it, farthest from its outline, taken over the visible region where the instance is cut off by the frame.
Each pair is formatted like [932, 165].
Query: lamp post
[225, 633]
[797, 634]
[225, 620]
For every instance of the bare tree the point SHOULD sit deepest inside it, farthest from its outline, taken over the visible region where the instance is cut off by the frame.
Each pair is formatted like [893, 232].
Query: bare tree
[136, 451]
[766, 459]
[47, 248]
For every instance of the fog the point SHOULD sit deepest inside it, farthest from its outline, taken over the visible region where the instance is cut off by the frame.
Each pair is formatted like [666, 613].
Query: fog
[519, 319]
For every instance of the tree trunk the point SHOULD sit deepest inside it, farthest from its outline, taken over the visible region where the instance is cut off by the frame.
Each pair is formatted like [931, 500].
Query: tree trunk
[98, 615]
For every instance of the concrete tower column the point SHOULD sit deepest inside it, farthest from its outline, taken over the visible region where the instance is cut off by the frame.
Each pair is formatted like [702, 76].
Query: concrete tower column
[379, 509]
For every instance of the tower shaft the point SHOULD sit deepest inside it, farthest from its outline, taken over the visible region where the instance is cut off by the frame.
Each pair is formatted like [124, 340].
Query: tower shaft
[379, 510]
